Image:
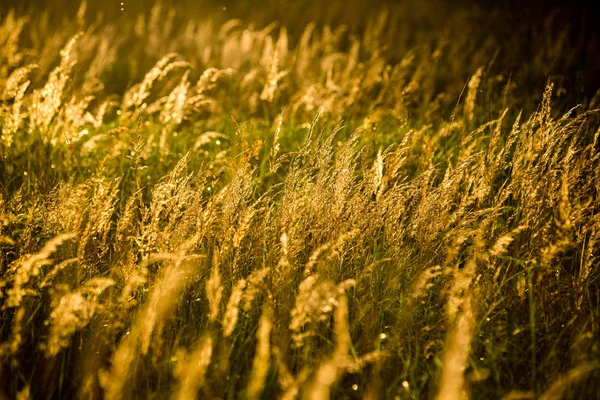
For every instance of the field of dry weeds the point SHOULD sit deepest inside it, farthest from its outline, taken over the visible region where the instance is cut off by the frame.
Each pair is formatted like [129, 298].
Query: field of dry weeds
[399, 206]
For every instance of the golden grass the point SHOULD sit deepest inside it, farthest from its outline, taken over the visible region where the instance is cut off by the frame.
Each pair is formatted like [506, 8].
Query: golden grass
[260, 212]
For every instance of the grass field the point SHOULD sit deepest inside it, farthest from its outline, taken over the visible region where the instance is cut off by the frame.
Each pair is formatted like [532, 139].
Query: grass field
[293, 200]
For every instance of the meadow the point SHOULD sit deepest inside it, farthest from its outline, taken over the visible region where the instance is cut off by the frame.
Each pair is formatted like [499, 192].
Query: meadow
[377, 201]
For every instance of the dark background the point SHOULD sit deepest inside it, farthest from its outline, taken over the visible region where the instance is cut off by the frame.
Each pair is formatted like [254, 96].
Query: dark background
[582, 16]
[517, 27]
[287, 10]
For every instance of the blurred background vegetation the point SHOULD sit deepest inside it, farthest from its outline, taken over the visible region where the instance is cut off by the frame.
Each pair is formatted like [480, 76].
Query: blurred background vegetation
[560, 37]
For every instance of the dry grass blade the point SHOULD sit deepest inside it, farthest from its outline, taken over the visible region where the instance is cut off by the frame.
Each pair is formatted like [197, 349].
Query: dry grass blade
[137, 340]
[330, 371]
[191, 369]
[262, 358]
[456, 354]
[561, 386]
[29, 268]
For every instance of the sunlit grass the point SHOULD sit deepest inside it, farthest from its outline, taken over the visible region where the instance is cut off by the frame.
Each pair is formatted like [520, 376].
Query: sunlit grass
[229, 210]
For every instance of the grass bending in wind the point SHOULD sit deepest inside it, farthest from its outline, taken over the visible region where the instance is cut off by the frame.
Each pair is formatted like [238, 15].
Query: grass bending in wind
[260, 214]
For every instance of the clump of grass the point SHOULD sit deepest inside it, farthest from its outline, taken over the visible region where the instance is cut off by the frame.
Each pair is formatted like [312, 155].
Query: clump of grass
[198, 208]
